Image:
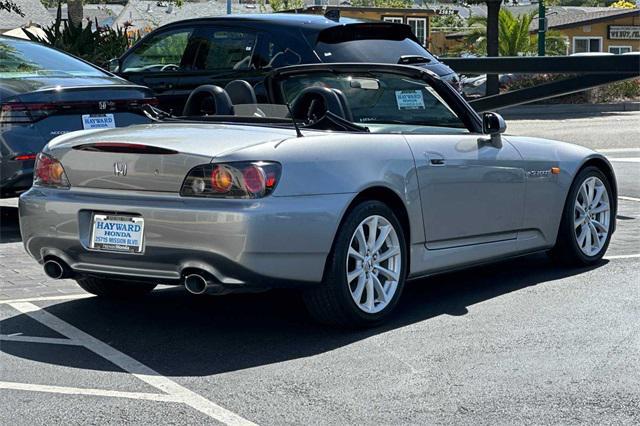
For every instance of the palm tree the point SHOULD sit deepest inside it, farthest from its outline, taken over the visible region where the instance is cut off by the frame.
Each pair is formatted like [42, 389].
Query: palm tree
[514, 37]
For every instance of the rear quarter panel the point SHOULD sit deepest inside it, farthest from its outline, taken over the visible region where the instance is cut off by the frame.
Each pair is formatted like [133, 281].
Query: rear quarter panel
[343, 163]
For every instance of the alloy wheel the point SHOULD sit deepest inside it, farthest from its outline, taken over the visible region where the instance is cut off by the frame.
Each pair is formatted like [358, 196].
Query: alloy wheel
[592, 216]
[374, 264]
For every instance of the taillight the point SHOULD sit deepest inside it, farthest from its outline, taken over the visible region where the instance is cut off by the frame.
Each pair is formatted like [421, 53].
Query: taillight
[250, 179]
[49, 172]
[25, 157]
[23, 112]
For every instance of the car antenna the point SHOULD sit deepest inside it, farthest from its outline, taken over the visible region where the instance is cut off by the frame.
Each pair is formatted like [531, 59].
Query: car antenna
[293, 120]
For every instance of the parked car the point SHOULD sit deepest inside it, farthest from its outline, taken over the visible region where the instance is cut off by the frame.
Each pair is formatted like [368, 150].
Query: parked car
[45, 93]
[381, 173]
[176, 58]
[475, 87]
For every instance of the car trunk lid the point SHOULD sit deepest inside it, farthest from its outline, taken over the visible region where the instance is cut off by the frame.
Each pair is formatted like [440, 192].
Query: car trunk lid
[155, 157]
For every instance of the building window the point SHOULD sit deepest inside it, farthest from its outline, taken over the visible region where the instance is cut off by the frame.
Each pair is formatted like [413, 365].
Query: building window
[587, 44]
[394, 19]
[419, 28]
[619, 50]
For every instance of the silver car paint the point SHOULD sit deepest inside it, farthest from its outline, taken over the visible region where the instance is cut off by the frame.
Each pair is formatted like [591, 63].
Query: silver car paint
[288, 235]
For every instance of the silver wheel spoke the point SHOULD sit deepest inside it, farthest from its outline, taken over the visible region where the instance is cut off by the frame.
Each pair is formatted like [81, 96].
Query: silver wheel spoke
[354, 274]
[373, 230]
[378, 286]
[387, 273]
[578, 222]
[579, 208]
[354, 253]
[599, 227]
[583, 235]
[370, 295]
[597, 197]
[384, 233]
[357, 293]
[393, 251]
[601, 208]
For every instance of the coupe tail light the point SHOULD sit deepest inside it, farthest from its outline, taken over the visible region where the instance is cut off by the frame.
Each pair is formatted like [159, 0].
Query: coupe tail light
[251, 179]
[49, 172]
[25, 157]
[20, 113]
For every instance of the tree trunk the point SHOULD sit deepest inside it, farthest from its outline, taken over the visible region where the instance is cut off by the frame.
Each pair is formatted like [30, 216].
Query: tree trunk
[493, 10]
[74, 12]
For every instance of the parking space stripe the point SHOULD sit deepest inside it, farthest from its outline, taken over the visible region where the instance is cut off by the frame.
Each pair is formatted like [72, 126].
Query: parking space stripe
[623, 256]
[132, 366]
[622, 197]
[35, 339]
[47, 298]
[624, 159]
[91, 392]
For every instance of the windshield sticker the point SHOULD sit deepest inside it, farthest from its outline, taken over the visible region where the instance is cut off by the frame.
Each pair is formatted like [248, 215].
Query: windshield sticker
[409, 99]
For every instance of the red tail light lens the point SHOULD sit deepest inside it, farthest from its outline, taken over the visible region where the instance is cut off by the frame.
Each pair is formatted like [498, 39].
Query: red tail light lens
[19, 112]
[232, 180]
[49, 172]
[25, 157]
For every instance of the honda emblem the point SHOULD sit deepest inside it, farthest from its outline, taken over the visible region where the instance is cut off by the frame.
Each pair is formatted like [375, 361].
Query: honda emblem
[102, 105]
[120, 168]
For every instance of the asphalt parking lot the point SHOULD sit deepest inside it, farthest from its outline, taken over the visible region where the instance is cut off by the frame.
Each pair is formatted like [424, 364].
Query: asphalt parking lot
[523, 341]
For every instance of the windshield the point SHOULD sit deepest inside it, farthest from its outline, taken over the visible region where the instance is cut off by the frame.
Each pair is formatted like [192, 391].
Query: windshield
[380, 100]
[19, 59]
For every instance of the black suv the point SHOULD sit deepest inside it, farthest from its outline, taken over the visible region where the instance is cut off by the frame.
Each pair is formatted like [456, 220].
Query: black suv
[178, 57]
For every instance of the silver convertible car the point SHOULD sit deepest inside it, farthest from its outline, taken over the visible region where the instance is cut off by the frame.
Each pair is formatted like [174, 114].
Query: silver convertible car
[352, 180]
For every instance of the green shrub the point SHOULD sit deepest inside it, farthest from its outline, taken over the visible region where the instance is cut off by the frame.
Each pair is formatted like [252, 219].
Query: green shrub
[97, 46]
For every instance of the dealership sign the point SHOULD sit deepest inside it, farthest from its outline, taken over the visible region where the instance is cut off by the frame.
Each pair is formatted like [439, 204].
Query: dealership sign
[624, 32]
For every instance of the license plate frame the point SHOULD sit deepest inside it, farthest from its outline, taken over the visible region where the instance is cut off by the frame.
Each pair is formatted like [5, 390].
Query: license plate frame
[121, 233]
[98, 121]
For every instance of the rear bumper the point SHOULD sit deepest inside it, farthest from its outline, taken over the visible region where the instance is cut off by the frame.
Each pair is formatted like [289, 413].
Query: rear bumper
[275, 241]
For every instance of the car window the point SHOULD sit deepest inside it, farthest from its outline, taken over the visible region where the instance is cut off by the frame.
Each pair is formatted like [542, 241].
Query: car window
[224, 49]
[381, 99]
[162, 52]
[273, 55]
[26, 59]
[360, 43]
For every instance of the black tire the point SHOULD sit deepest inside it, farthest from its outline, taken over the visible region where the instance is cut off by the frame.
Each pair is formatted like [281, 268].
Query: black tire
[567, 250]
[331, 301]
[114, 289]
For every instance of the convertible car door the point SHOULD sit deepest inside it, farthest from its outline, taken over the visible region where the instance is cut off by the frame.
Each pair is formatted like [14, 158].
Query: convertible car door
[472, 191]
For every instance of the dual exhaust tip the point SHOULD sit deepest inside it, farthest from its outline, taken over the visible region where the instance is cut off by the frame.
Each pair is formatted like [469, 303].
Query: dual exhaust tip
[195, 283]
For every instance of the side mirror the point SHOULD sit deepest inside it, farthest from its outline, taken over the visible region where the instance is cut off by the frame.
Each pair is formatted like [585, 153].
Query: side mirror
[493, 123]
[113, 65]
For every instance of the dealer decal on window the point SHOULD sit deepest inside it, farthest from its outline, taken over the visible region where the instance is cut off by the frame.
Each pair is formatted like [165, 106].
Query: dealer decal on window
[409, 99]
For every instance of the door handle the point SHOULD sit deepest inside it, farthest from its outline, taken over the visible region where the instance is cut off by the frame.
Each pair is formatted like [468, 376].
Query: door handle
[435, 159]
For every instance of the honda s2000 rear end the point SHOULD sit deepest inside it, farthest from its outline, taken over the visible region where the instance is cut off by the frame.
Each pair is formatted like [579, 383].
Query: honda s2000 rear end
[133, 215]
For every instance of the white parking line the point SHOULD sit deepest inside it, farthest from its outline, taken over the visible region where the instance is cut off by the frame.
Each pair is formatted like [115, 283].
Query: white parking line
[624, 159]
[623, 256]
[47, 298]
[92, 392]
[622, 197]
[35, 339]
[132, 366]
[612, 150]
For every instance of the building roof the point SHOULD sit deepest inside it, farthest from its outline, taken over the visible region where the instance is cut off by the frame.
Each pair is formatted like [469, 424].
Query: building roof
[104, 13]
[34, 13]
[149, 14]
[564, 17]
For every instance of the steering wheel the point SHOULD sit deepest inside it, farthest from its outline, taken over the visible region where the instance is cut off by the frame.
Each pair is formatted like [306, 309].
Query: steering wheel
[170, 67]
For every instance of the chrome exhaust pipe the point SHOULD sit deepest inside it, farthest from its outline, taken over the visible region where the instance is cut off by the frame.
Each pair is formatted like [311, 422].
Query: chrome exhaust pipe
[56, 269]
[201, 282]
[196, 284]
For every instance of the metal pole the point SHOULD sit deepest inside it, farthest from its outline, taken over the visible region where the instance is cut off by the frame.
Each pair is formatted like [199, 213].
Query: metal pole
[228, 7]
[542, 28]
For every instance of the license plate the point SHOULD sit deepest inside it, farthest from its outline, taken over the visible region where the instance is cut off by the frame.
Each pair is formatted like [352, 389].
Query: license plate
[117, 233]
[98, 121]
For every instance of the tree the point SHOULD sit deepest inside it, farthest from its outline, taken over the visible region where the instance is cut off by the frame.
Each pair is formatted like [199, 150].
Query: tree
[280, 5]
[10, 6]
[75, 12]
[514, 36]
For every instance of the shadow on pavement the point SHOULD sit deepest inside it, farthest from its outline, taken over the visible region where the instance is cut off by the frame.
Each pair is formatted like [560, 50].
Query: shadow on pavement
[9, 225]
[178, 334]
[554, 116]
